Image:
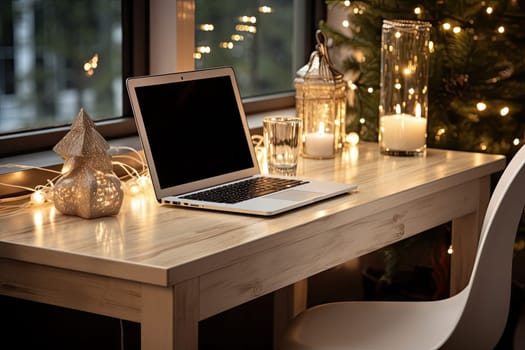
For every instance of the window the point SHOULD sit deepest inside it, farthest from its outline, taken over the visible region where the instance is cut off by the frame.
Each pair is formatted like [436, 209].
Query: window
[255, 39]
[56, 57]
[59, 56]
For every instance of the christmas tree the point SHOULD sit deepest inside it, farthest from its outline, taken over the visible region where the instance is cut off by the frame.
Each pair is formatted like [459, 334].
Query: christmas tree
[477, 72]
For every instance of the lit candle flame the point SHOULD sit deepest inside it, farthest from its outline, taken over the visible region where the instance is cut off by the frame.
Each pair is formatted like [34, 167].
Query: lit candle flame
[321, 127]
[398, 109]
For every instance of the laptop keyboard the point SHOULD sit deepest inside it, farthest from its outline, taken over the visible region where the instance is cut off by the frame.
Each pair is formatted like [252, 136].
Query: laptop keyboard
[244, 190]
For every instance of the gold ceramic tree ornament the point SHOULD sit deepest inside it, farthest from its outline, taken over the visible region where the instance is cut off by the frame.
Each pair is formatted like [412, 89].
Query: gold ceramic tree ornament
[88, 187]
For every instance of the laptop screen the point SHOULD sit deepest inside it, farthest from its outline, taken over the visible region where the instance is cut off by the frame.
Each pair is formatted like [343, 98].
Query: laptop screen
[194, 128]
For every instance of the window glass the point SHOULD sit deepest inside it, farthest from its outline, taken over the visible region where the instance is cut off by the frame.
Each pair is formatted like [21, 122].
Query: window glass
[56, 57]
[254, 37]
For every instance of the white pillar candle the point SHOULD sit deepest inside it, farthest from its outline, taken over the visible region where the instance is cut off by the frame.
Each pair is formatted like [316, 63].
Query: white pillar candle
[403, 132]
[319, 144]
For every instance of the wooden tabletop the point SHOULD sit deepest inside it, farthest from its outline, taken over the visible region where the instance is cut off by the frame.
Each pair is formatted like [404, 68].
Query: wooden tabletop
[160, 245]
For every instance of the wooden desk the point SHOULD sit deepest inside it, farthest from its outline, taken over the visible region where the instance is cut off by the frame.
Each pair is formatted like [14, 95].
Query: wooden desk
[168, 268]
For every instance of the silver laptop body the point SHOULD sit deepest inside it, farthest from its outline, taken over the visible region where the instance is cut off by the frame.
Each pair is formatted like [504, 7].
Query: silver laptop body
[195, 136]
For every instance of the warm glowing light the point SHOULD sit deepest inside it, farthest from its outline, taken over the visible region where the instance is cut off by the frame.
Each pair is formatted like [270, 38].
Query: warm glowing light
[418, 10]
[431, 46]
[90, 66]
[440, 133]
[346, 3]
[321, 128]
[501, 29]
[397, 35]
[245, 28]
[197, 55]
[456, 29]
[411, 91]
[237, 37]
[407, 71]
[352, 138]
[352, 86]
[203, 49]
[481, 106]
[450, 249]
[247, 19]
[418, 110]
[504, 111]
[356, 11]
[362, 120]
[207, 27]
[398, 109]
[38, 198]
[446, 26]
[265, 9]
[516, 142]
[489, 10]
[226, 45]
[345, 23]
[397, 86]
[483, 147]
[370, 89]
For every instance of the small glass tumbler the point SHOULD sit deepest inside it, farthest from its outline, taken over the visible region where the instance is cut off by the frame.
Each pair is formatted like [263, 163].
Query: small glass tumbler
[282, 139]
[405, 51]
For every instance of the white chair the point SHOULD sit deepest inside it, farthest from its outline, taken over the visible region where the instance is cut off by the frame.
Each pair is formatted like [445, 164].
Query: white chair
[472, 319]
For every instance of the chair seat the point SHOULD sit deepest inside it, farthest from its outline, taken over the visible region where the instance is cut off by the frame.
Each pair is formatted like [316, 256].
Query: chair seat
[375, 325]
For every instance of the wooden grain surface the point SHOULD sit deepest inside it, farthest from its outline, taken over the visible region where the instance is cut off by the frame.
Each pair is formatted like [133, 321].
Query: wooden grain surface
[162, 245]
[168, 267]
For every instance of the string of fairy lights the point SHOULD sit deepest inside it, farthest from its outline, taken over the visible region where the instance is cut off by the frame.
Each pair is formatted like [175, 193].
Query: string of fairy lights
[454, 26]
[135, 179]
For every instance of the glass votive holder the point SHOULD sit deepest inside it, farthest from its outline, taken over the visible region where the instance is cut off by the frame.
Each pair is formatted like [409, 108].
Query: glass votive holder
[282, 135]
[403, 104]
[320, 133]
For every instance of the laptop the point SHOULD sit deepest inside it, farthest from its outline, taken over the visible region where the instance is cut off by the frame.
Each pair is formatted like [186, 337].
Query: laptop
[196, 138]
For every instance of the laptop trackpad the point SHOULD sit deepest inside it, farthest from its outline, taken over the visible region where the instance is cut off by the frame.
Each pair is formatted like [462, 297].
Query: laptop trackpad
[294, 195]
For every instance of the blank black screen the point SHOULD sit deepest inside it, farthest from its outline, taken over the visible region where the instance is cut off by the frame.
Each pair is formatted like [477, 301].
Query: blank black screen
[194, 129]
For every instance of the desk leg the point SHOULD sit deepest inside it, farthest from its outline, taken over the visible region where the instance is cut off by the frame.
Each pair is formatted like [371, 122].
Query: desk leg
[465, 237]
[288, 302]
[170, 316]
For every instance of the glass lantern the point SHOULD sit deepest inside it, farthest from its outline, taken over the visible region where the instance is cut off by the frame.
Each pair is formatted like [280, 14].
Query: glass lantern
[320, 102]
[405, 55]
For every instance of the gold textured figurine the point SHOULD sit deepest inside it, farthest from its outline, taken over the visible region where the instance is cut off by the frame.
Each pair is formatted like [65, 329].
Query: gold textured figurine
[88, 187]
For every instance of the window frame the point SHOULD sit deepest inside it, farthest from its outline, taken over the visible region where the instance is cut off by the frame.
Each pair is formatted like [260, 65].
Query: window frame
[146, 40]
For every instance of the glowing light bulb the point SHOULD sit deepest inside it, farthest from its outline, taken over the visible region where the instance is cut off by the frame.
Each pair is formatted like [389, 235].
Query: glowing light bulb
[418, 10]
[504, 111]
[370, 89]
[362, 120]
[450, 249]
[501, 29]
[265, 9]
[345, 23]
[446, 26]
[481, 106]
[516, 142]
[207, 27]
[489, 10]
[456, 29]
[352, 138]
[38, 197]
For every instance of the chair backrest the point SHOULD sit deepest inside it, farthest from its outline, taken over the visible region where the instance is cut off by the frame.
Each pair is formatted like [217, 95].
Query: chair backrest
[489, 287]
